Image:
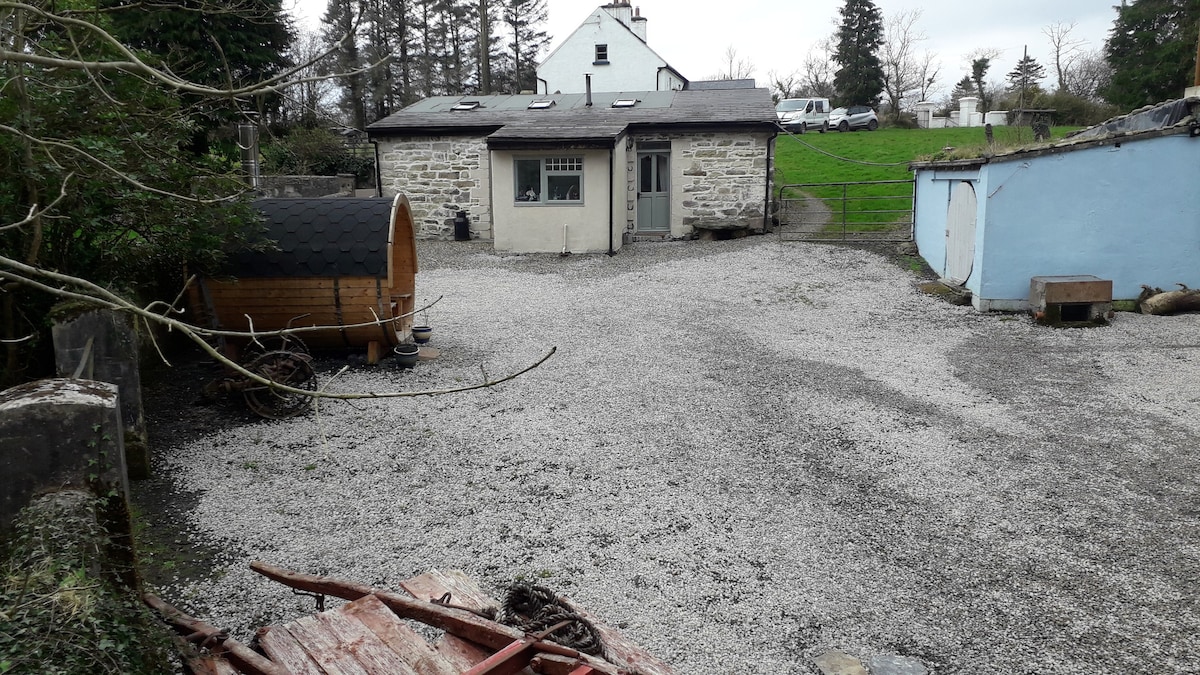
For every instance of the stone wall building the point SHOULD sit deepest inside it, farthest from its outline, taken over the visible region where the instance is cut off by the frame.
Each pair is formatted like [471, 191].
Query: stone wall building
[582, 172]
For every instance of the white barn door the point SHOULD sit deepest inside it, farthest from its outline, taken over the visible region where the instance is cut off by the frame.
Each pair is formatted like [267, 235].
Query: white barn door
[960, 233]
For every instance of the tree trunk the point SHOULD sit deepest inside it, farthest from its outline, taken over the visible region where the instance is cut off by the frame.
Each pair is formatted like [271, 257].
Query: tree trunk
[1157, 301]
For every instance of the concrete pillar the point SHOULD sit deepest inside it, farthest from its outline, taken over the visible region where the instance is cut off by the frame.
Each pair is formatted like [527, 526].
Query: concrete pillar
[112, 357]
[925, 114]
[967, 115]
[58, 434]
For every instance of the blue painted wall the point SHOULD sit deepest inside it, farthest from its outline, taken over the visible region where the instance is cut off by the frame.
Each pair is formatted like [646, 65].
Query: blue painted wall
[1127, 211]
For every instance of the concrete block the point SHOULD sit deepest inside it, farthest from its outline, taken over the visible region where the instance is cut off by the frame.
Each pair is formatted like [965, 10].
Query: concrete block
[113, 356]
[56, 434]
[1078, 288]
[1069, 299]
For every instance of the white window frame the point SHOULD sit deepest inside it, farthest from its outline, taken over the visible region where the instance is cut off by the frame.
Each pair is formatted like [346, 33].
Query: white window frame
[548, 167]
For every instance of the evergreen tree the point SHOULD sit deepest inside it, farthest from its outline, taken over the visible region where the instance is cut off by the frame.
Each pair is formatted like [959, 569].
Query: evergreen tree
[1152, 51]
[859, 80]
[340, 22]
[1025, 79]
[524, 18]
[964, 87]
[979, 69]
[219, 43]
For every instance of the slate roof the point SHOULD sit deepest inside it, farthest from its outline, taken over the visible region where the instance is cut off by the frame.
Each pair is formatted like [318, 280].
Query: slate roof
[326, 237]
[710, 85]
[507, 119]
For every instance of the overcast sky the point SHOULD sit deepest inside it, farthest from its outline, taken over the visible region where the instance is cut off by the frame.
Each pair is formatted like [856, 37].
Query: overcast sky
[774, 35]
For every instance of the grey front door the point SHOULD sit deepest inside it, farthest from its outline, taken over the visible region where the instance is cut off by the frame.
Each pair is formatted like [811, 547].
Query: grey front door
[654, 192]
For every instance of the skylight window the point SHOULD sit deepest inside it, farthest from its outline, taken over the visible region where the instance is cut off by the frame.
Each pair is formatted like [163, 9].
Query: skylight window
[465, 105]
[624, 103]
[541, 104]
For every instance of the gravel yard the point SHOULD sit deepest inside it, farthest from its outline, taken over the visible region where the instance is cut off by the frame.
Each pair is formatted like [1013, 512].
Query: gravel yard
[744, 454]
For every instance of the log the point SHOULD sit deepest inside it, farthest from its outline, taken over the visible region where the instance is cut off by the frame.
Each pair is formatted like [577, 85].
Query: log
[201, 633]
[1157, 301]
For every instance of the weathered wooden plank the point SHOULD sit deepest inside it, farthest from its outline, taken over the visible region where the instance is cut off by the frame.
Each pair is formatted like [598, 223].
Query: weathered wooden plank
[246, 659]
[257, 292]
[460, 652]
[367, 649]
[464, 592]
[399, 637]
[290, 282]
[323, 647]
[460, 622]
[283, 649]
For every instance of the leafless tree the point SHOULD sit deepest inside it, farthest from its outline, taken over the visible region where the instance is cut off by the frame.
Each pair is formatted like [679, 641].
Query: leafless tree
[1089, 74]
[733, 67]
[818, 69]
[902, 66]
[311, 101]
[929, 67]
[1065, 51]
[783, 86]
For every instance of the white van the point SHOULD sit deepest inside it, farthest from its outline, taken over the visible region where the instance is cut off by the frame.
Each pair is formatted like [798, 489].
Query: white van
[798, 115]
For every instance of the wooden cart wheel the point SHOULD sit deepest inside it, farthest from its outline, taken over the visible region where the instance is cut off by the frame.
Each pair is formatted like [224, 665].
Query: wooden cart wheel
[282, 367]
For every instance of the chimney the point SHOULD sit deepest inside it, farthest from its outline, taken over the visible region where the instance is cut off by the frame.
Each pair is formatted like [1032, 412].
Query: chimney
[638, 24]
[621, 11]
[587, 82]
[248, 144]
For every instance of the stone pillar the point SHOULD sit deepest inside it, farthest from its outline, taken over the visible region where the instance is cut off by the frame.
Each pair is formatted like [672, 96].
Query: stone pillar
[57, 434]
[112, 357]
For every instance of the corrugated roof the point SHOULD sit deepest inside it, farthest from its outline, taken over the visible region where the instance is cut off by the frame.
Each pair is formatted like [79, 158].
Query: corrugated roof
[1150, 118]
[570, 112]
[325, 237]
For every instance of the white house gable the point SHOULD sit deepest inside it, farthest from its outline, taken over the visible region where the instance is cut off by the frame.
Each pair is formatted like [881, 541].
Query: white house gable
[611, 46]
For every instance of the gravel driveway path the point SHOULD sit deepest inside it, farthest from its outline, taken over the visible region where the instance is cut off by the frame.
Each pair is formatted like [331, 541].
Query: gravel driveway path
[745, 454]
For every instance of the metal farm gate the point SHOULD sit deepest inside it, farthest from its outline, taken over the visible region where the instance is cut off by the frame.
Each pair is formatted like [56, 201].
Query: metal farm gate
[879, 210]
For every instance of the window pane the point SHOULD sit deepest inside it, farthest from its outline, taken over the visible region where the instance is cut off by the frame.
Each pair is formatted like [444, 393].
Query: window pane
[563, 187]
[528, 181]
[645, 173]
[662, 173]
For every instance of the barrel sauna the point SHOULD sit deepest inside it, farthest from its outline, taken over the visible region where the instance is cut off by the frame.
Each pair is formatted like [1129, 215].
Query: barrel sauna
[341, 261]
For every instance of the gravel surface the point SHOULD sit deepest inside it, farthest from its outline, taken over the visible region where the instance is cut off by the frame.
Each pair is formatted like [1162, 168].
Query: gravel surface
[744, 454]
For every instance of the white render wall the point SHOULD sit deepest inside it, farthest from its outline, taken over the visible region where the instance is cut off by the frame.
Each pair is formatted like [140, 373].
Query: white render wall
[538, 228]
[440, 175]
[632, 65]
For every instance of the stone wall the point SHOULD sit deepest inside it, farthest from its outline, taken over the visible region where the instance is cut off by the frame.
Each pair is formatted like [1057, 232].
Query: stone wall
[306, 186]
[724, 183]
[440, 175]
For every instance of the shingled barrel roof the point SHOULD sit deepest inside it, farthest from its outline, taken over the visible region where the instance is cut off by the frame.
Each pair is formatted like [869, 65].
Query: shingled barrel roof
[508, 120]
[329, 237]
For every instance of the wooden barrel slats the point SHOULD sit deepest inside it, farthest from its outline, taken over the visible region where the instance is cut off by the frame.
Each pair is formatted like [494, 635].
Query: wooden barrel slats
[341, 261]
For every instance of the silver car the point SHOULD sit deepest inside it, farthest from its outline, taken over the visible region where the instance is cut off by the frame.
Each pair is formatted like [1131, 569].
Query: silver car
[853, 118]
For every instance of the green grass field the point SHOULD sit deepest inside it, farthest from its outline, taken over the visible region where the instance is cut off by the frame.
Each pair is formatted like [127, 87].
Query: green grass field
[881, 155]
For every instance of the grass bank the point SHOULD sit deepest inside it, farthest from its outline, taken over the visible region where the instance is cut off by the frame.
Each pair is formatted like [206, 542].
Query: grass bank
[882, 155]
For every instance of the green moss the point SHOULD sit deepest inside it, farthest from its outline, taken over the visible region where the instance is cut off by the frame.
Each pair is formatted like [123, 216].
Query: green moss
[63, 607]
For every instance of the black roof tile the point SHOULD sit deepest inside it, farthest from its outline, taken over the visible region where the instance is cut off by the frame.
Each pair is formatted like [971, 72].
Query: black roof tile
[324, 237]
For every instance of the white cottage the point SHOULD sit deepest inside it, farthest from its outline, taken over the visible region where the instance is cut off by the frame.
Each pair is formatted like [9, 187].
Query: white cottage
[610, 45]
[1116, 202]
[582, 172]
